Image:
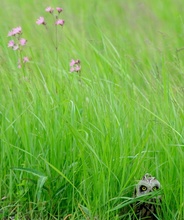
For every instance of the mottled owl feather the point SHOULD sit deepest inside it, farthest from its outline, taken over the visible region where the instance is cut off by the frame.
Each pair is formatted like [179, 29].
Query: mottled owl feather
[146, 210]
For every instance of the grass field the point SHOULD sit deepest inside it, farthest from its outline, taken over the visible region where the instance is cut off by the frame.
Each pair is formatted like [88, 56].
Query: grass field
[74, 144]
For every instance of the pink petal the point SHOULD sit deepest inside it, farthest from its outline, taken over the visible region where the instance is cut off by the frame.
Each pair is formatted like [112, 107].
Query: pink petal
[72, 62]
[60, 22]
[40, 21]
[72, 69]
[49, 9]
[10, 33]
[25, 59]
[14, 31]
[17, 30]
[23, 41]
[77, 68]
[11, 43]
[59, 9]
[15, 47]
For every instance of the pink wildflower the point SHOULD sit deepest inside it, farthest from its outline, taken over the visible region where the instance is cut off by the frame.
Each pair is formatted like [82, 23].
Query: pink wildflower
[41, 20]
[10, 33]
[60, 22]
[15, 47]
[25, 59]
[77, 68]
[72, 69]
[11, 43]
[49, 9]
[14, 31]
[17, 30]
[75, 65]
[72, 63]
[23, 41]
[59, 9]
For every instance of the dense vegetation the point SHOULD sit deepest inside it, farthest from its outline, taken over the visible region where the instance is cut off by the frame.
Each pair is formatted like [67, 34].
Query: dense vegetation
[74, 144]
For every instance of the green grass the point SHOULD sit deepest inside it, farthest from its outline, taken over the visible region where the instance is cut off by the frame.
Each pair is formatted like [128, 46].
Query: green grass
[73, 147]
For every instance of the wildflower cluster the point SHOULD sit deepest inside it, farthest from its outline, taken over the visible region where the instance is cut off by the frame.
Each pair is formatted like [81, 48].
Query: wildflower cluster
[41, 20]
[75, 65]
[17, 43]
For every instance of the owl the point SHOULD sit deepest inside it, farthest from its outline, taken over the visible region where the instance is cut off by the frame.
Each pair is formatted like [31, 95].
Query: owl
[147, 210]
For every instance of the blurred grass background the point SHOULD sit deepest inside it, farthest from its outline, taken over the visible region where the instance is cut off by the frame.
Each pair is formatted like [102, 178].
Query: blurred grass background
[76, 145]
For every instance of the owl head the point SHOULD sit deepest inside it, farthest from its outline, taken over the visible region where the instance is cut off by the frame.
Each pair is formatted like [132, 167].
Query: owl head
[146, 185]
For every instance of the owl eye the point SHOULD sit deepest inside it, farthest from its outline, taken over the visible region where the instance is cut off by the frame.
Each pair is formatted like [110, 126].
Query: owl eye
[155, 188]
[143, 188]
